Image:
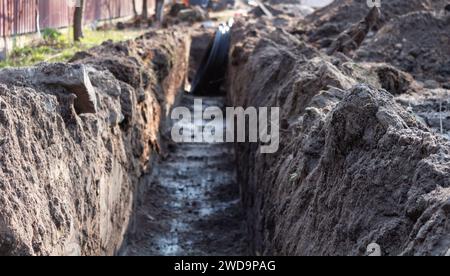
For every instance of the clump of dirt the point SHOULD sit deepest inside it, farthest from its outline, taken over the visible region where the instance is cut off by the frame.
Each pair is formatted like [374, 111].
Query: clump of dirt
[417, 43]
[356, 166]
[381, 75]
[352, 38]
[192, 15]
[75, 139]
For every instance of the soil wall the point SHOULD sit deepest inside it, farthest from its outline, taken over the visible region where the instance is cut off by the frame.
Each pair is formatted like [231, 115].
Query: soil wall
[75, 139]
[355, 167]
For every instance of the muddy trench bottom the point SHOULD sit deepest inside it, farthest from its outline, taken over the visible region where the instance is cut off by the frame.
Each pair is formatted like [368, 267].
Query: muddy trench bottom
[192, 205]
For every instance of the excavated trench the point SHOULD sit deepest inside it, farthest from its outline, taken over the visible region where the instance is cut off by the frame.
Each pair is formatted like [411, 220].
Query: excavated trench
[191, 204]
[120, 186]
[345, 130]
[363, 156]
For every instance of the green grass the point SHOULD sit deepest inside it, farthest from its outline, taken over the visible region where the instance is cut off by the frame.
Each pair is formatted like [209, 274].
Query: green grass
[62, 47]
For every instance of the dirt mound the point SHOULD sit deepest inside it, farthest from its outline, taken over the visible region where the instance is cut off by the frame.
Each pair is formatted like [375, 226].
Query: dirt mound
[354, 167]
[353, 37]
[74, 141]
[335, 18]
[417, 43]
[180, 14]
[144, 62]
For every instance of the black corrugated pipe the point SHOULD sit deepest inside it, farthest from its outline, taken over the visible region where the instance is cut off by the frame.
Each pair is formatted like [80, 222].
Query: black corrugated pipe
[212, 69]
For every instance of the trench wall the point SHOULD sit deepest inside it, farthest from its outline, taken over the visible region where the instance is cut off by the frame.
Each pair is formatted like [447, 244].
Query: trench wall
[354, 167]
[75, 139]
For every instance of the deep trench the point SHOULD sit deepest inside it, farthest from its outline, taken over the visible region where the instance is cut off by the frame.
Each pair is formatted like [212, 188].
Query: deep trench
[191, 202]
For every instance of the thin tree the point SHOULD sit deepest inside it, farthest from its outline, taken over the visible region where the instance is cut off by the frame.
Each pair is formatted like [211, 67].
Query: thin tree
[135, 12]
[144, 9]
[37, 19]
[159, 11]
[78, 21]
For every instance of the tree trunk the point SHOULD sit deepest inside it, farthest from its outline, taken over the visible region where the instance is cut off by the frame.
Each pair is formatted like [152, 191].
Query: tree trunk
[159, 11]
[37, 19]
[135, 9]
[144, 9]
[78, 22]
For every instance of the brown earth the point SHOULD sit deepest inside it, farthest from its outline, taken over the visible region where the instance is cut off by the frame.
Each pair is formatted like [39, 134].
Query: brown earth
[355, 167]
[340, 14]
[71, 162]
[364, 152]
[416, 42]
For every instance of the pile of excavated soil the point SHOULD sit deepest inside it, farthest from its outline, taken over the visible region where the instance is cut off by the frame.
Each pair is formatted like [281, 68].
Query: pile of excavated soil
[417, 43]
[356, 165]
[75, 139]
[411, 35]
[340, 14]
[146, 62]
[344, 25]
